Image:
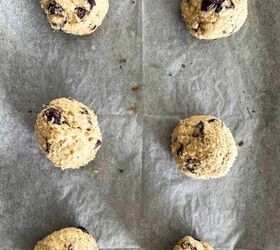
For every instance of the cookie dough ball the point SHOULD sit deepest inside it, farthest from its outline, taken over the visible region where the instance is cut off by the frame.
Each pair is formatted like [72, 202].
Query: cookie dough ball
[212, 19]
[67, 132]
[78, 17]
[203, 147]
[71, 238]
[189, 243]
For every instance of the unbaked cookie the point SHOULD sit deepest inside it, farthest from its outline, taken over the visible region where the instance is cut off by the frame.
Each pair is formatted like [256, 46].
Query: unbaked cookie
[212, 19]
[189, 243]
[71, 238]
[203, 147]
[67, 132]
[78, 17]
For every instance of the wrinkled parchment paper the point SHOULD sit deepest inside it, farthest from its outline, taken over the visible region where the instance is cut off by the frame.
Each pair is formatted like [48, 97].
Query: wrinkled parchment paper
[133, 196]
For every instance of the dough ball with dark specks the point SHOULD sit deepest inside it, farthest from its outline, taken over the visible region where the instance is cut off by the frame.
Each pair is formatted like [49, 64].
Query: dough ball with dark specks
[189, 243]
[203, 147]
[71, 238]
[77, 17]
[67, 131]
[212, 19]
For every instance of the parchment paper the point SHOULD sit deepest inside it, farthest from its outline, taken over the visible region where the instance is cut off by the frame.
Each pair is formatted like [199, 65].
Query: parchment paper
[133, 196]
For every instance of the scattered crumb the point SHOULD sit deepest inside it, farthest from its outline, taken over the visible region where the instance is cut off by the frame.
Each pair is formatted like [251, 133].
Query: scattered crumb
[133, 1]
[170, 74]
[122, 60]
[120, 170]
[253, 111]
[96, 171]
[183, 66]
[241, 143]
[135, 88]
[248, 111]
[133, 109]
[29, 111]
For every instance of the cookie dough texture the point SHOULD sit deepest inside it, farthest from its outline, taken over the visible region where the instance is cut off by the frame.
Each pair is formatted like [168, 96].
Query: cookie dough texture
[212, 19]
[78, 17]
[67, 132]
[189, 243]
[203, 147]
[68, 239]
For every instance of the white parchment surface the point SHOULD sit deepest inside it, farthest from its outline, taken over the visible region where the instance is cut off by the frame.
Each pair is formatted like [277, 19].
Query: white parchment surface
[133, 196]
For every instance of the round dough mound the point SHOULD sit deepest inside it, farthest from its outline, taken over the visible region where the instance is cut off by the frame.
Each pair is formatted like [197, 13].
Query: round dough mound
[68, 132]
[71, 238]
[78, 17]
[203, 147]
[212, 19]
[189, 243]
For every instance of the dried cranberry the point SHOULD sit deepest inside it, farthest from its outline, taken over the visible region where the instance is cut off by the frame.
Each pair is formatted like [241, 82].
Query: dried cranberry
[84, 111]
[53, 115]
[54, 8]
[187, 245]
[92, 2]
[83, 229]
[192, 164]
[199, 131]
[81, 12]
[219, 8]
[212, 120]
[207, 5]
[180, 150]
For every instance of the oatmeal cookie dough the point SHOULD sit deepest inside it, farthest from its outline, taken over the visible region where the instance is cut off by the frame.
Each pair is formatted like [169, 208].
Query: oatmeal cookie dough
[212, 19]
[189, 243]
[71, 238]
[67, 132]
[203, 147]
[78, 17]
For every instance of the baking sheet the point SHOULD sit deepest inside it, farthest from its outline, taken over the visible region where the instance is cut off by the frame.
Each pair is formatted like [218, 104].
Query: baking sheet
[132, 196]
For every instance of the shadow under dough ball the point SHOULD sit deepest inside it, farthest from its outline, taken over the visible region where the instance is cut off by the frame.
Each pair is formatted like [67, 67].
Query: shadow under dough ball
[71, 238]
[212, 19]
[67, 131]
[203, 147]
[77, 17]
[189, 243]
